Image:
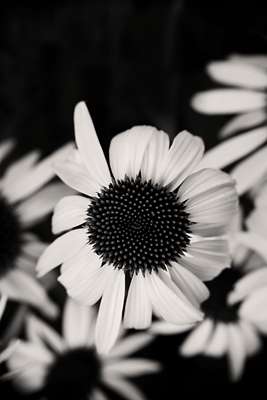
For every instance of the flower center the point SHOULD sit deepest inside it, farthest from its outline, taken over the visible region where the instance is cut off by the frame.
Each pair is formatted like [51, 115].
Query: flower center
[136, 225]
[10, 236]
[216, 306]
[73, 376]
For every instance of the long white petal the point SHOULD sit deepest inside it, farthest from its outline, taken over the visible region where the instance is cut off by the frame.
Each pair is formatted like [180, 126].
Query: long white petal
[130, 344]
[206, 259]
[250, 170]
[3, 301]
[38, 176]
[238, 73]
[125, 388]
[155, 156]
[251, 337]
[243, 122]
[236, 351]
[167, 303]
[247, 284]
[218, 344]
[60, 250]
[198, 340]
[133, 367]
[20, 286]
[127, 150]
[110, 312]
[228, 101]
[35, 208]
[89, 146]
[138, 309]
[185, 153]
[165, 328]
[193, 288]
[69, 212]
[231, 150]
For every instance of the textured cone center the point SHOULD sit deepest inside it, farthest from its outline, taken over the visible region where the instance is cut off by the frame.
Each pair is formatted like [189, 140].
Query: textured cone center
[10, 236]
[136, 225]
[73, 376]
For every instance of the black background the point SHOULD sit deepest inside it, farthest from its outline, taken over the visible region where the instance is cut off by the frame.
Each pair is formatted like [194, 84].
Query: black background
[133, 62]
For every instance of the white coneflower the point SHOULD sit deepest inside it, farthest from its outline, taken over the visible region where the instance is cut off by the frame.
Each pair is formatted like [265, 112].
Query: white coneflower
[248, 77]
[23, 203]
[69, 367]
[137, 225]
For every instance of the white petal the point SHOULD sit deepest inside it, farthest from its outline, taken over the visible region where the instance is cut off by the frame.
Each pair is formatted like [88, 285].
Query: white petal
[130, 344]
[219, 341]
[88, 290]
[38, 176]
[233, 149]
[127, 150]
[237, 73]
[133, 367]
[243, 122]
[256, 222]
[33, 246]
[3, 301]
[206, 259]
[255, 242]
[60, 250]
[78, 321]
[138, 309]
[254, 308]
[41, 334]
[185, 153]
[110, 312]
[165, 328]
[28, 353]
[20, 286]
[77, 177]
[9, 350]
[198, 340]
[251, 337]
[256, 59]
[5, 148]
[36, 207]
[69, 212]
[247, 284]
[250, 170]
[236, 351]
[190, 285]
[155, 156]
[167, 303]
[124, 388]
[228, 101]
[89, 146]
[30, 379]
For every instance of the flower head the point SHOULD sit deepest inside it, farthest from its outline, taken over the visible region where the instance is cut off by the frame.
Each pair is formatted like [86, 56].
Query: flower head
[151, 225]
[69, 366]
[23, 203]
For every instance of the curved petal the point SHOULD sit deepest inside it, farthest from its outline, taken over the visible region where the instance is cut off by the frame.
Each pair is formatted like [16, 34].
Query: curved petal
[89, 146]
[243, 122]
[219, 341]
[228, 101]
[138, 309]
[127, 151]
[69, 212]
[110, 312]
[207, 258]
[20, 286]
[129, 344]
[185, 153]
[198, 340]
[193, 288]
[60, 250]
[233, 149]
[236, 351]
[238, 73]
[167, 303]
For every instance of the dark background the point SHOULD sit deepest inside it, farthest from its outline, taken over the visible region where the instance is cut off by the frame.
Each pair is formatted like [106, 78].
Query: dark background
[133, 62]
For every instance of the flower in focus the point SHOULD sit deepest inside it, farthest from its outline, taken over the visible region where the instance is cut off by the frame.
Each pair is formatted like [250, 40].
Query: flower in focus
[69, 367]
[23, 203]
[151, 225]
[247, 97]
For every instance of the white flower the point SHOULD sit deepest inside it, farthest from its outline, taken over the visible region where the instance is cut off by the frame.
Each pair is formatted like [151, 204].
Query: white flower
[23, 203]
[248, 77]
[152, 224]
[69, 366]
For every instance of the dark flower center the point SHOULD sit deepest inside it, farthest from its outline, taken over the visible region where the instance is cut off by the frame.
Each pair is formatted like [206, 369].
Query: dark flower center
[136, 225]
[10, 236]
[73, 376]
[216, 306]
